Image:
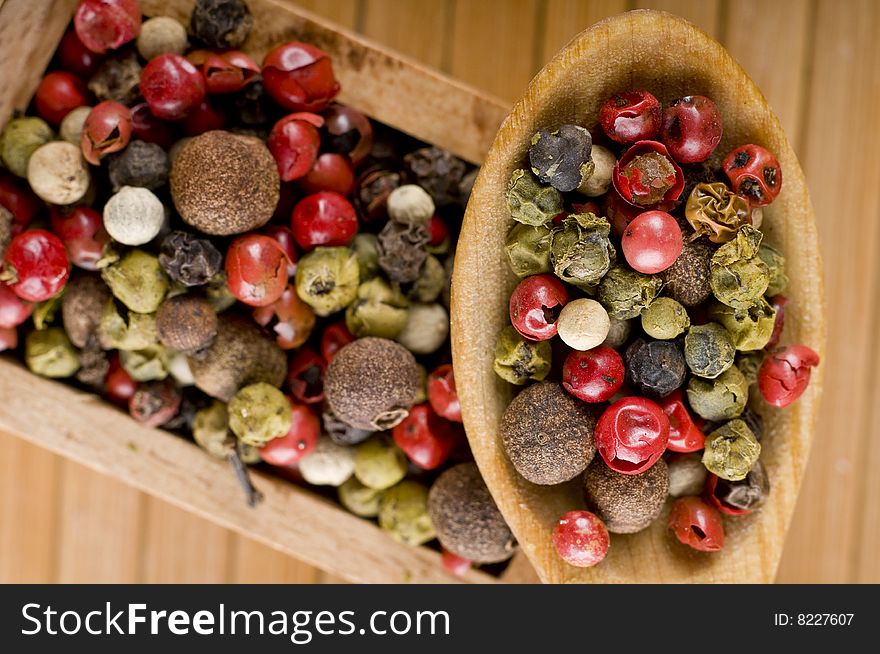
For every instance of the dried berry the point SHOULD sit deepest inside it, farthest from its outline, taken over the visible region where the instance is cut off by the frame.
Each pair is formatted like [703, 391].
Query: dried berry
[599, 181]
[299, 77]
[529, 202]
[581, 252]
[411, 205]
[595, 375]
[372, 189]
[155, 403]
[35, 265]
[221, 23]
[186, 323]
[625, 293]
[328, 464]
[379, 463]
[437, 171]
[518, 360]
[696, 524]
[626, 503]
[691, 128]
[426, 328]
[118, 78]
[140, 164]
[618, 333]
[429, 286]
[687, 475]
[103, 25]
[656, 368]
[138, 281]
[722, 398]
[535, 305]
[646, 176]
[58, 173]
[361, 500]
[126, 330]
[298, 442]
[562, 158]
[776, 267]
[631, 116]
[583, 324]
[402, 252]
[188, 259]
[379, 310]
[739, 497]
[528, 248]
[161, 35]
[717, 212]
[71, 128]
[651, 242]
[684, 435]
[348, 133]
[739, 277]
[754, 173]
[581, 539]
[340, 432]
[731, 451]
[134, 216]
[687, 280]
[20, 138]
[785, 374]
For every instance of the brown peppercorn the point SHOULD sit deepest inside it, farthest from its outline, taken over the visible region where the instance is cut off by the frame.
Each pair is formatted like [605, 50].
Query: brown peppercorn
[140, 164]
[239, 356]
[437, 171]
[466, 519]
[340, 432]
[190, 260]
[548, 434]
[687, 280]
[626, 503]
[402, 252]
[372, 383]
[225, 184]
[186, 323]
[372, 189]
[82, 307]
[221, 23]
[94, 364]
[118, 78]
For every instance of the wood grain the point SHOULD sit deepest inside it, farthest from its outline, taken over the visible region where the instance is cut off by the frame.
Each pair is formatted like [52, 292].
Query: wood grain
[705, 14]
[417, 29]
[564, 19]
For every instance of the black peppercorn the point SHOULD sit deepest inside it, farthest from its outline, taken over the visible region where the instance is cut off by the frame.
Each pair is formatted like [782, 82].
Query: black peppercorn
[655, 367]
[687, 280]
[746, 494]
[372, 189]
[118, 78]
[340, 432]
[188, 259]
[754, 420]
[437, 171]
[221, 23]
[402, 252]
[562, 158]
[186, 323]
[94, 364]
[253, 106]
[140, 164]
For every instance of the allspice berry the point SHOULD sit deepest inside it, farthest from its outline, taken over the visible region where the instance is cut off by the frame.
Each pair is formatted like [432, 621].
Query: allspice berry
[225, 184]
[548, 434]
[372, 383]
[466, 519]
[626, 503]
[687, 280]
[186, 323]
[82, 307]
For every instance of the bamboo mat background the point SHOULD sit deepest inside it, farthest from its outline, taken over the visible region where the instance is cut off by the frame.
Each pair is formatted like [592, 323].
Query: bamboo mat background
[818, 63]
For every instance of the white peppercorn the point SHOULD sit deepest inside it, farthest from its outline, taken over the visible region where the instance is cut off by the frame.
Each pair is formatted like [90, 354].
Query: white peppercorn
[161, 35]
[72, 125]
[687, 475]
[598, 183]
[328, 464]
[583, 324]
[426, 329]
[58, 173]
[134, 216]
[410, 205]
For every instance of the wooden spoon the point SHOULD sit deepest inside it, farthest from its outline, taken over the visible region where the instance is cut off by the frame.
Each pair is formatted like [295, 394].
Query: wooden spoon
[670, 58]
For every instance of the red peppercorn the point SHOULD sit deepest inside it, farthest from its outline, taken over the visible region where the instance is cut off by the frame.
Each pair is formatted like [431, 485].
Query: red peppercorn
[714, 500]
[619, 212]
[324, 218]
[535, 306]
[119, 385]
[305, 429]
[652, 242]
[76, 58]
[347, 131]
[291, 319]
[8, 338]
[107, 129]
[631, 116]
[82, 230]
[204, 118]
[104, 25]
[18, 198]
[454, 564]
[299, 77]
[632, 434]
[426, 438]
[646, 176]
[581, 539]
[439, 232]
[305, 376]
[256, 269]
[684, 435]
[294, 142]
[58, 94]
[778, 303]
[754, 174]
[593, 375]
[691, 128]
[172, 86]
[785, 374]
[228, 72]
[146, 127]
[442, 394]
[155, 403]
[335, 337]
[331, 172]
[284, 237]
[13, 310]
[36, 265]
[696, 524]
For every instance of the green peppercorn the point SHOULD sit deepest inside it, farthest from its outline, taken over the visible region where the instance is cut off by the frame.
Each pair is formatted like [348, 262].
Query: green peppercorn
[665, 319]
[379, 310]
[625, 293]
[218, 294]
[403, 513]
[327, 279]
[422, 393]
[379, 463]
[708, 350]
[138, 281]
[122, 329]
[737, 274]
[528, 248]
[259, 413]
[581, 251]
[722, 398]
[715, 211]
[366, 248]
[529, 202]
[428, 287]
[750, 328]
[562, 158]
[361, 500]
[749, 363]
[147, 364]
[19, 140]
[518, 360]
[731, 451]
[50, 353]
[44, 313]
[211, 430]
[776, 265]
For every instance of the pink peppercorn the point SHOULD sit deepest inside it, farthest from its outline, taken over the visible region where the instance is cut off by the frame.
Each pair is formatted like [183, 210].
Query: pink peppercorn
[581, 539]
[652, 242]
[535, 306]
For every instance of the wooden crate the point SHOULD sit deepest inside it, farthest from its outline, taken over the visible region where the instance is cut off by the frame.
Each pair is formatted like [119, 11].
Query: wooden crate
[390, 88]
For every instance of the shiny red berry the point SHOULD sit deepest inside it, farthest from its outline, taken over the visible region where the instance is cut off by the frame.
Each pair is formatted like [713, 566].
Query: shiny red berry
[455, 564]
[204, 118]
[256, 269]
[646, 176]
[107, 129]
[76, 58]
[347, 131]
[335, 337]
[696, 524]
[104, 25]
[593, 375]
[290, 318]
[228, 72]
[36, 265]
[172, 86]
[82, 230]
[652, 242]
[439, 232]
[631, 435]
[331, 172]
[18, 198]
[294, 142]
[785, 374]
[581, 539]
[778, 303]
[13, 310]
[305, 376]
[713, 499]
[299, 77]
[324, 218]
[58, 94]
[754, 174]
[631, 116]
[442, 394]
[305, 429]
[535, 306]
[691, 128]
[284, 237]
[146, 127]
[684, 435]
[155, 403]
[119, 385]
[426, 438]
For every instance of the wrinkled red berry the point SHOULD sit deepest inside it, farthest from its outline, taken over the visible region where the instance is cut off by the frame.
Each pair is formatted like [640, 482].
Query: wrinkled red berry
[290, 318]
[103, 25]
[778, 303]
[631, 435]
[172, 86]
[631, 116]
[593, 375]
[107, 129]
[299, 77]
[228, 72]
[331, 172]
[426, 438]
[305, 429]
[581, 539]
[335, 337]
[691, 128]
[754, 174]
[82, 230]
[294, 142]
[36, 265]
[155, 403]
[442, 394]
[454, 564]
[13, 310]
[256, 269]
[646, 176]
[684, 435]
[696, 524]
[284, 237]
[305, 376]
[347, 131]
[58, 94]
[324, 218]
[535, 306]
[18, 198]
[785, 374]
[76, 58]
[651, 242]
[146, 127]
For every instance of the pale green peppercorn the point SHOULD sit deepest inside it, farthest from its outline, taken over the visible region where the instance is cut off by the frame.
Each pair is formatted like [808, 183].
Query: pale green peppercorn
[529, 202]
[581, 251]
[737, 274]
[528, 249]
[138, 281]
[361, 500]
[366, 248]
[518, 360]
[328, 464]
[126, 330]
[749, 363]
[148, 364]
[259, 413]
[44, 312]
[731, 451]
[327, 279]
[211, 430]
[722, 398]
[776, 265]
[379, 310]
[665, 319]
[50, 353]
[19, 140]
[379, 463]
[750, 328]
[708, 350]
[422, 393]
[428, 287]
[218, 294]
[625, 293]
[403, 513]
